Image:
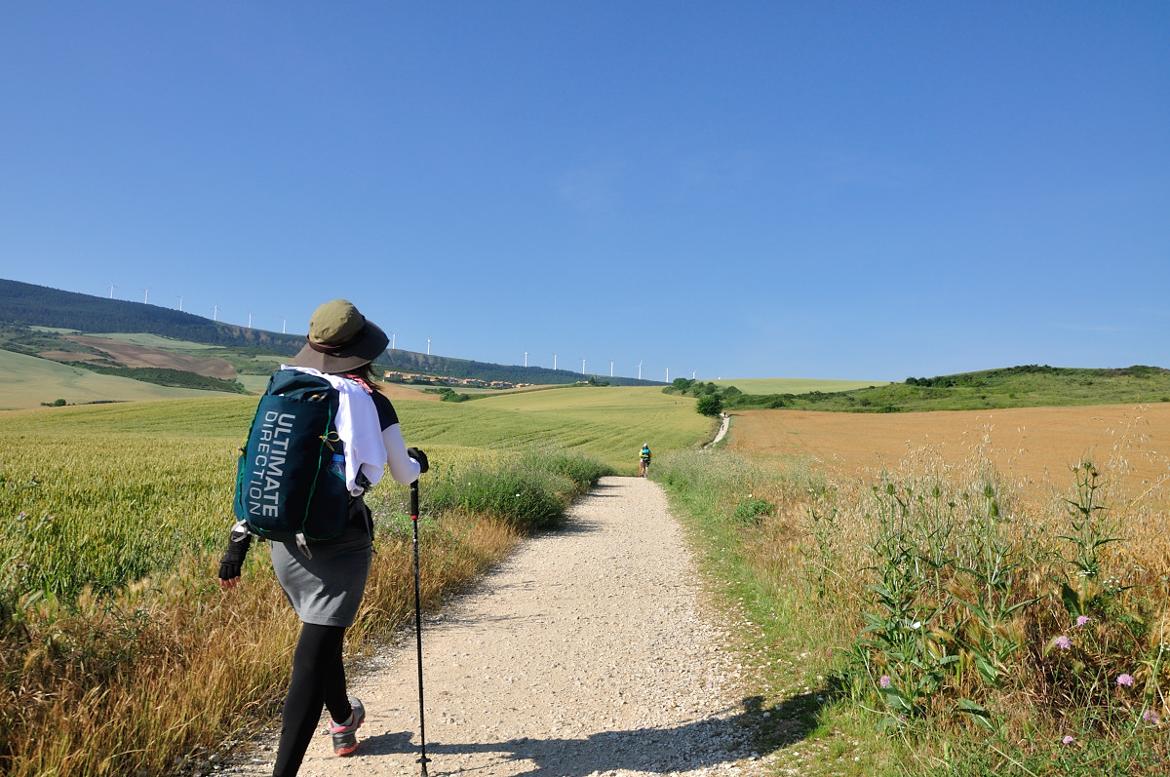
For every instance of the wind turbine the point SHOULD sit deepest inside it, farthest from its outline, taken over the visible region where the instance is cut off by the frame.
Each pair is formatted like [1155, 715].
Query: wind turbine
[668, 374]
[111, 290]
[215, 312]
[284, 326]
[611, 368]
[180, 303]
[639, 370]
[428, 346]
[146, 297]
[393, 341]
[582, 366]
[249, 320]
[526, 358]
[554, 361]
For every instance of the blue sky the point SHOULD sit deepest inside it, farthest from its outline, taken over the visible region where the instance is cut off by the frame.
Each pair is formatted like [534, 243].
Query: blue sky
[855, 190]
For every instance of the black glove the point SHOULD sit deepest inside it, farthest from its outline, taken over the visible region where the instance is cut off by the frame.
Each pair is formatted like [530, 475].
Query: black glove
[233, 558]
[420, 457]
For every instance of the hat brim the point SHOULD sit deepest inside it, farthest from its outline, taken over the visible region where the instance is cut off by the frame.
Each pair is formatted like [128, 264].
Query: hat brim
[363, 349]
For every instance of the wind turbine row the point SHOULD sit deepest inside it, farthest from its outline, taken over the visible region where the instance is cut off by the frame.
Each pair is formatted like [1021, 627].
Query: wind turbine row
[584, 364]
[393, 335]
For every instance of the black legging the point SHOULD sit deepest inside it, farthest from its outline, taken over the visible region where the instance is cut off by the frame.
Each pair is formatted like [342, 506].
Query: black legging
[318, 679]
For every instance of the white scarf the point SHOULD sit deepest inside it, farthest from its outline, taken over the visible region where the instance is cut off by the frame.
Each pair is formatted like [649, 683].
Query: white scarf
[358, 427]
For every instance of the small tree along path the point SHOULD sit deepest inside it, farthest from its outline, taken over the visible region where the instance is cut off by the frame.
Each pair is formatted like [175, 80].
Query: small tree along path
[586, 652]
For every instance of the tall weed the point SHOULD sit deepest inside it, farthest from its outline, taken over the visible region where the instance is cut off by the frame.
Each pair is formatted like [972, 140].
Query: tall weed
[977, 628]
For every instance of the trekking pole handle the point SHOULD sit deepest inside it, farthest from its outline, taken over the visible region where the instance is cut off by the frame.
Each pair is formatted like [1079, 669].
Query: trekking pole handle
[414, 500]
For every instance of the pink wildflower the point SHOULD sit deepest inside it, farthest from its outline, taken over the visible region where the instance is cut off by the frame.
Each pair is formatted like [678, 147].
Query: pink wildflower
[1082, 620]
[1151, 717]
[1063, 642]
[884, 681]
[1068, 740]
[1125, 679]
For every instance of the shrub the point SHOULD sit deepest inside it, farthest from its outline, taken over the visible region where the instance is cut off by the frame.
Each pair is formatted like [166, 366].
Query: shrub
[751, 510]
[710, 404]
[529, 493]
[583, 471]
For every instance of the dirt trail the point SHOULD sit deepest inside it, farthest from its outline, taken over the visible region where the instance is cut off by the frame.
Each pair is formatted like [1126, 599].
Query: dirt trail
[724, 426]
[585, 653]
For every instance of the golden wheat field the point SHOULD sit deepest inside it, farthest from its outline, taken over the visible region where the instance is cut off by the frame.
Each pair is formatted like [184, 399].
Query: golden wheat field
[1034, 447]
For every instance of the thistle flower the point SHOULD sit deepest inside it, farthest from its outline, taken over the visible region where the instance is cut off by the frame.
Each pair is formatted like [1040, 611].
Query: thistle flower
[1062, 642]
[1082, 620]
[1067, 739]
[1151, 717]
[884, 681]
[1125, 679]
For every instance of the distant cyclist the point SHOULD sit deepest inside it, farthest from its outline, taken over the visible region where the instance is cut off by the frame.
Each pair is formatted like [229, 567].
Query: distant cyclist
[644, 460]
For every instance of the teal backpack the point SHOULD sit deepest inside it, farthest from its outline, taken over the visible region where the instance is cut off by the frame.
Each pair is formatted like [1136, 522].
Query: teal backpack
[290, 479]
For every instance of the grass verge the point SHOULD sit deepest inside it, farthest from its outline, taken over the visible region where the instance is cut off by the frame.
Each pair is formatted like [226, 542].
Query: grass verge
[159, 674]
[932, 624]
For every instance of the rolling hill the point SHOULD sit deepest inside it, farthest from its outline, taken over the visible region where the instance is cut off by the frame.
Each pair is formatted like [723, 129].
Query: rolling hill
[794, 385]
[41, 321]
[1032, 385]
[26, 381]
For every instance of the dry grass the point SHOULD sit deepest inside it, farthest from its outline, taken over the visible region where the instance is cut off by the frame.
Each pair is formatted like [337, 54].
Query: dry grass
[202, 662]
[821, 544]
[1034, 447]
[117, 647]
[398, 391]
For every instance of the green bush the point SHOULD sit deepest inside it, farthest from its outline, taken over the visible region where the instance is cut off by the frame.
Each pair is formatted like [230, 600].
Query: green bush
[583, 471]
[710, 404]
[531, 492]
[751, 510]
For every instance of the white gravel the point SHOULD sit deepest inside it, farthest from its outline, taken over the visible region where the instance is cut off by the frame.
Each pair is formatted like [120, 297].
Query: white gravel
[586, 653]
[724, 426]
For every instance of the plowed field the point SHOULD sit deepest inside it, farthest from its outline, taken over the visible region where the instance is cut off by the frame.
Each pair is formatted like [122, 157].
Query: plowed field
[1034, 446]
[132, 355]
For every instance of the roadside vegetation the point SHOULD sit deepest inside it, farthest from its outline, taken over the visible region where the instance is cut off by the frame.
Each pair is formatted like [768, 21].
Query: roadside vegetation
[1024, 386]
[112, 628]
[934, 623]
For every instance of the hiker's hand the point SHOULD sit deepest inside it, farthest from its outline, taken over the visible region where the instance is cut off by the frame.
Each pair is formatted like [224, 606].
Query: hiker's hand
[233, 560]
[420, 457]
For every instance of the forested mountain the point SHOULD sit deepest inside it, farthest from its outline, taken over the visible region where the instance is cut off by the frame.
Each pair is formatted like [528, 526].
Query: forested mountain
[409, 361]
[27, 304]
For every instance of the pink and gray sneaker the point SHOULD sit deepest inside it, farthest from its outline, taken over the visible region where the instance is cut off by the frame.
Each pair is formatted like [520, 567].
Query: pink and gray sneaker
[345, 735]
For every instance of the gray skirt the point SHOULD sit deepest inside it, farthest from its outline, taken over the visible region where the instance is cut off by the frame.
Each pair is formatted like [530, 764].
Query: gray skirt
[325, 590]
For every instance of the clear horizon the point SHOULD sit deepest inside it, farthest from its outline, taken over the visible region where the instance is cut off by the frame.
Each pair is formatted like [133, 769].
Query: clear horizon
[831, 191]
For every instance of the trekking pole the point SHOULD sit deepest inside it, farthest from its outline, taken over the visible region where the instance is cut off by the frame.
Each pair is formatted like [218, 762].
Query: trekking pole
[422, 724]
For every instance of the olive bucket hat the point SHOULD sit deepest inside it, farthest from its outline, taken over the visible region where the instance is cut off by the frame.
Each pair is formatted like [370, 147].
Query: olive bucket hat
[340, 339]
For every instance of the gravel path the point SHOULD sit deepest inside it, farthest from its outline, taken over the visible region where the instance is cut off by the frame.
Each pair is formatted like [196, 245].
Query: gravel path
[585, 653]
[724, 426]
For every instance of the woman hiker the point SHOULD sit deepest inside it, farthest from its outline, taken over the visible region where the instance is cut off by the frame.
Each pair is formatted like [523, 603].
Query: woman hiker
[644, 460]
[325, 583]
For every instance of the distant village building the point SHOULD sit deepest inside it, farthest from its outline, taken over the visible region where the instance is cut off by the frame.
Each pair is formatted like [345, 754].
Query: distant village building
[394, 376]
